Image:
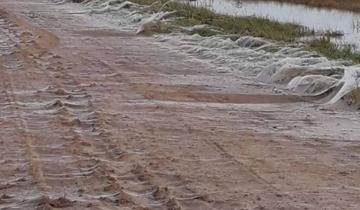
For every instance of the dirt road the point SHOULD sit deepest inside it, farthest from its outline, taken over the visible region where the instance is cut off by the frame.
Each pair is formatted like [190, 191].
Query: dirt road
[95, 118]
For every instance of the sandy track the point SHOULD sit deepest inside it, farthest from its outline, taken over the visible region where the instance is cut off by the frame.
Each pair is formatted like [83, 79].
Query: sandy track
[95, 118]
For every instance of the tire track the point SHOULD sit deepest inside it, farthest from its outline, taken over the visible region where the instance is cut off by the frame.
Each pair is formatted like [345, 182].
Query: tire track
[70, 117]
[157, 196]
[9, 63]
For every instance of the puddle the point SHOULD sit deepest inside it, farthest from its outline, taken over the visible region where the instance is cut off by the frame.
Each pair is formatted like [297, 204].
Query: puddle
[314, 18]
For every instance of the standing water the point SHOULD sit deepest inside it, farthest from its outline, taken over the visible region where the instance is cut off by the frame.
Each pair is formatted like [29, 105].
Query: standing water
[346, 22]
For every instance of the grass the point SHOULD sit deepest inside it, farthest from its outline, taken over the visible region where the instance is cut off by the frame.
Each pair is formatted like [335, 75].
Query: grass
[349, 5]
[259, 27]
[325, 47]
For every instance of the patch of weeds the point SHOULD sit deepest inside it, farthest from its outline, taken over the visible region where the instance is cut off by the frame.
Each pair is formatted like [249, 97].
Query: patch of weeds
[329, 49]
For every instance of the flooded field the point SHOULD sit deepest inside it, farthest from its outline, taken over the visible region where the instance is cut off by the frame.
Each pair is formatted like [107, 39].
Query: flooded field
[319, 20]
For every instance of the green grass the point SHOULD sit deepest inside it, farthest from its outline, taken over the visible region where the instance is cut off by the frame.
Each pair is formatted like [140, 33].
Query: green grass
[325, 47]
[259, 27]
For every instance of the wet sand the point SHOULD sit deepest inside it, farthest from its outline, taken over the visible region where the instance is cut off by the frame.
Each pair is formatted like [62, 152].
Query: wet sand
[96, 118]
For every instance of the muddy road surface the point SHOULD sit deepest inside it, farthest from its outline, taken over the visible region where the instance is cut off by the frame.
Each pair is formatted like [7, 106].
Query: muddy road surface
[96, 118]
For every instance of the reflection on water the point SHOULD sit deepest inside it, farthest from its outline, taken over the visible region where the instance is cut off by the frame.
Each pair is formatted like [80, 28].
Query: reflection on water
[313, 18]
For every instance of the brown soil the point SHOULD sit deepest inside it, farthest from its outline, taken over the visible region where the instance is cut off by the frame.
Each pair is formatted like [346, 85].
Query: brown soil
[96, 118]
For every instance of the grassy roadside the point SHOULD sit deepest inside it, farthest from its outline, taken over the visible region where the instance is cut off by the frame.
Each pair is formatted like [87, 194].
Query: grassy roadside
[254, 26]
[259, 27]
[325, 47]
[349, 5]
